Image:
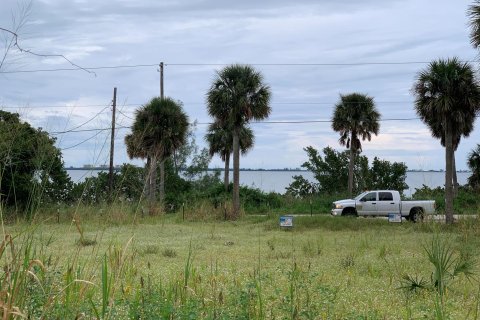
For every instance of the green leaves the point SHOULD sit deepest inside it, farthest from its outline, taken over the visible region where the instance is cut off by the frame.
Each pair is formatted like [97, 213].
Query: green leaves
[31, 167]
[331, 172]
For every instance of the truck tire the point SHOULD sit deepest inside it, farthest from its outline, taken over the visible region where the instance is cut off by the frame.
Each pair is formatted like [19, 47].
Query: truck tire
[416, 215]
[349, 212]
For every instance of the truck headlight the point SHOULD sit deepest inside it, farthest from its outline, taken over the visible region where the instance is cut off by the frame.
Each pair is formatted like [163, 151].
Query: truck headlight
[338, 206]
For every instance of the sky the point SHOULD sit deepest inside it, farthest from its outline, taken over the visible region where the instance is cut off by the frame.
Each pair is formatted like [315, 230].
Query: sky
[309, 53]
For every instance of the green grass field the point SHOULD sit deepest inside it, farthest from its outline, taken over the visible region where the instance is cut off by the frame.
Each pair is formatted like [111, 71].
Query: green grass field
[163, 267]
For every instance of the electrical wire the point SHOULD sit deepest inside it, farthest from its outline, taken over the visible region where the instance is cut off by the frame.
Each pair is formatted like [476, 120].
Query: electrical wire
[123, 114]
[82, 142]
[334, 64]
[202, 103]
[86, 122]
[253, 122]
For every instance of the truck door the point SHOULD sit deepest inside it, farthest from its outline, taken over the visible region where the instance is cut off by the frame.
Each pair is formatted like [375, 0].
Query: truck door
[386, 204]
[367, 205]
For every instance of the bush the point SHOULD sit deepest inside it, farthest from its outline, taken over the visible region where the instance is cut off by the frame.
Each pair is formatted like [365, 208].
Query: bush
[466, 201]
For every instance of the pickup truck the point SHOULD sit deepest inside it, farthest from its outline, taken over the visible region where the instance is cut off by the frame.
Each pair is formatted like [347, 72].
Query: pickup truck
[382, 203]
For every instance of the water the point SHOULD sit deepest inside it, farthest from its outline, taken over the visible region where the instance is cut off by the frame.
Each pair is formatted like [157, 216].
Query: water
[277, 181]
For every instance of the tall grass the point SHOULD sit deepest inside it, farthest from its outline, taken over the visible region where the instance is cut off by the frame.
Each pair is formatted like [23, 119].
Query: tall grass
[322, 269]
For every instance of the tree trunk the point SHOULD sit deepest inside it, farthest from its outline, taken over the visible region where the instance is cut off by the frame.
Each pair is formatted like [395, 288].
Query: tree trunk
[455, 180]
[236, 174]
[152, 184]
[162, 182]
[226, 178]
[350, 168]
[448, 174]
[146, 186]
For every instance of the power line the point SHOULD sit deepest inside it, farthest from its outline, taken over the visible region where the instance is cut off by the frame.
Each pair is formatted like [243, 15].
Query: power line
[123, 114]
[198, 103]
[86, 122]
[253, 122]
[88, 68]
[82, 142]
[334, 64]
[64, 106]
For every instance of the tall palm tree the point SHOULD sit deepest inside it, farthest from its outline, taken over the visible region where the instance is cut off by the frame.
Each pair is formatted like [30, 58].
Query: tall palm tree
[237, 96]
[355, 117]
[447, 96]
[220, 141]
[474, 165]
[160, 127]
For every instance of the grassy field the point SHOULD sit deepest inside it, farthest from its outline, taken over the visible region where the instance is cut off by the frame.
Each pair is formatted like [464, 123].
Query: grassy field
[163, 267]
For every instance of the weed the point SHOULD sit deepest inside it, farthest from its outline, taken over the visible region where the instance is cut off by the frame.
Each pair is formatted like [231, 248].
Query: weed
[169, 253]
[383, 252]
[348, 261]
[85, 242]
[151, 249]
[271, 244]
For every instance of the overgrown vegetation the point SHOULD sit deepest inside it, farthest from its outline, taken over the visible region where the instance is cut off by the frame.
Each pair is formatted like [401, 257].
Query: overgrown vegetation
[466, 201]
[244, 270]
[331, 173]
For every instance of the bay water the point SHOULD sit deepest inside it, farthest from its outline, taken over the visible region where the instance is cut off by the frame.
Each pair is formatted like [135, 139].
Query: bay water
[277, 181]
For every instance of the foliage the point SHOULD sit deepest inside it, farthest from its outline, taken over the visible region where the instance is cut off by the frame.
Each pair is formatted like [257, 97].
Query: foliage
[220, 139]
[474, 165]
[447, 263]
[31, 167]
[160, 128]
[355, 117]
[237, 96]
[248, 269]
[301, 187]
[331, 173]
[387, 175]
[447, 98]
[466, 201]
[474, 15]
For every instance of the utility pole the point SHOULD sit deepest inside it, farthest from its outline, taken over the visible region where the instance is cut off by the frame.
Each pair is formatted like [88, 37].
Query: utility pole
[161, 80]
[112, 144]
[162, 161]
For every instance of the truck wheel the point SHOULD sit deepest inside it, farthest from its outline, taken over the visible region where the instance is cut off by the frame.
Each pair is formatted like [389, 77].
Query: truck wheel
[349, 212]
[416, 215]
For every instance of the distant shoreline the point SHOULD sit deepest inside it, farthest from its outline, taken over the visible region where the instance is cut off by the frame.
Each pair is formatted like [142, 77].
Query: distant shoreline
[242, 169]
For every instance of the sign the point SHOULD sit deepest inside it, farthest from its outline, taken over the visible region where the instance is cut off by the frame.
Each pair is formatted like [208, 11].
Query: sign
[286, 221]
[394, 217]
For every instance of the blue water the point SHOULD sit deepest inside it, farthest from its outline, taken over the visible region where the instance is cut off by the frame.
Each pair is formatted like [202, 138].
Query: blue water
[277, 181]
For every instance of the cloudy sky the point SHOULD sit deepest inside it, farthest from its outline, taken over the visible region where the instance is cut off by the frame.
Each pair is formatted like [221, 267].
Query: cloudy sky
[309, 52]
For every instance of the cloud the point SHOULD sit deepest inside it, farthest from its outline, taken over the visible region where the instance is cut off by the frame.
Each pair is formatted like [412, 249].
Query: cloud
[107, 33]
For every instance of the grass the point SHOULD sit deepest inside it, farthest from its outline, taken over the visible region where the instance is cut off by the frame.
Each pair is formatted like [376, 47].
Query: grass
[162, 267]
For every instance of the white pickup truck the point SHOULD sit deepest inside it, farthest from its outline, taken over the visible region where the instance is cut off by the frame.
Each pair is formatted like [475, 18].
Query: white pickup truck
[383, 203]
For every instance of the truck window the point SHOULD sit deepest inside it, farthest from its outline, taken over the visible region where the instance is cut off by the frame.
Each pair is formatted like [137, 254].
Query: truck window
[372, 196]
[385, 196]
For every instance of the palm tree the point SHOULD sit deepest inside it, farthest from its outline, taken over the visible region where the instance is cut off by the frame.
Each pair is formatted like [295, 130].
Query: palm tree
[220, 140]
[474, 15]
[474, 165]
[355, 117]
[447, 96]
[237, 96]
[160, 127]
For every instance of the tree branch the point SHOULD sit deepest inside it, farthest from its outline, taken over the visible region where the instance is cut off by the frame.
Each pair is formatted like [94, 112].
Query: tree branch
[17, 45]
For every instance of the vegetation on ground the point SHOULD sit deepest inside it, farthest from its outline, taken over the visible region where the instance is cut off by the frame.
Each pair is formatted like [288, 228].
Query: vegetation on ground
[163, 267]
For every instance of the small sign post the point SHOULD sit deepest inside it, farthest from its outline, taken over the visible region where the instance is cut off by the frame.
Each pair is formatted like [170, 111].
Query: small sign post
[286, 222]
